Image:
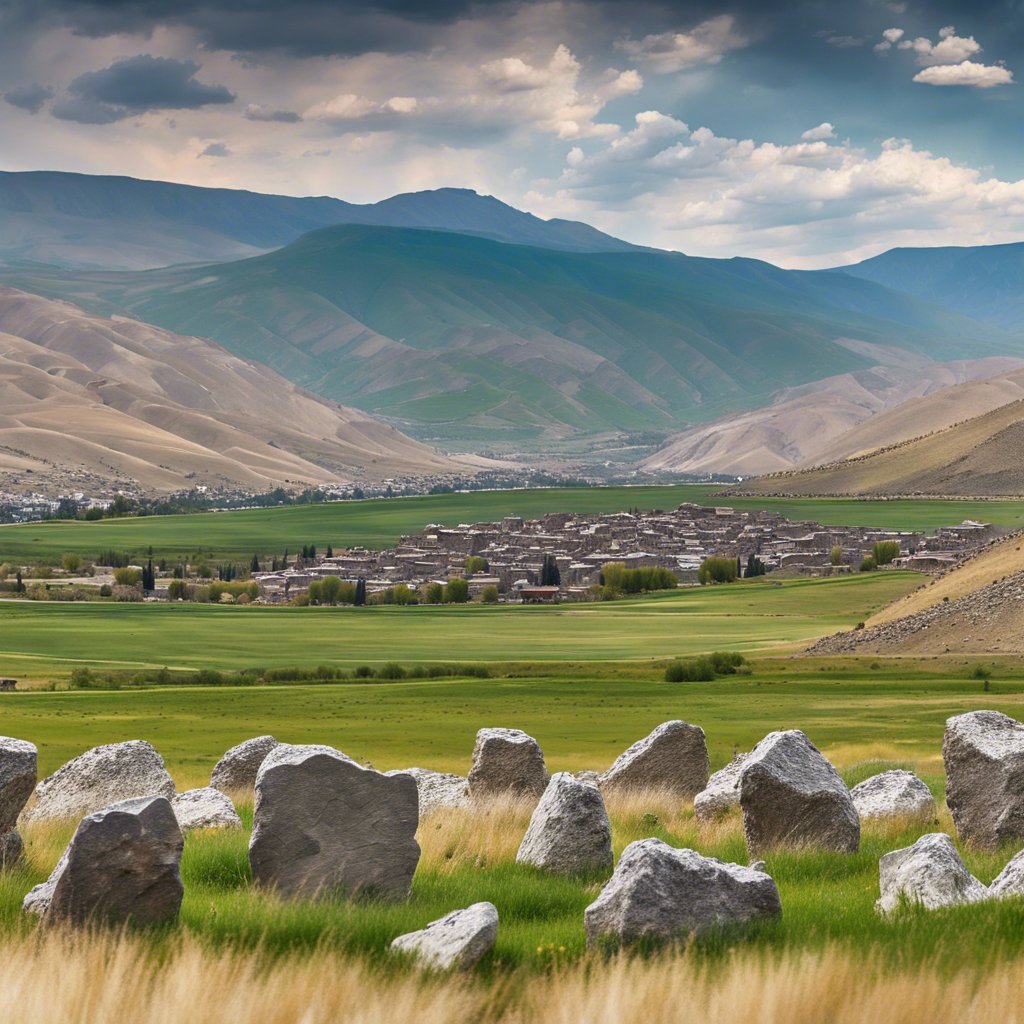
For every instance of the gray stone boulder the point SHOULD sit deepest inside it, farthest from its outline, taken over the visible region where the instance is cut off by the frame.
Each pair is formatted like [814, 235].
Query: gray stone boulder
[930, 873]
[237, 769]
[456, 941]
[791, 796]
[893, 794]
[674, 757]
[507, 762]
[661, 893]
[983, 752]
[323, 824]
[569, 830]
[122, 865]
[205, 808]
[18, 760]
[437, 789]
[1010, 881]
[100, 777]
[722, 793]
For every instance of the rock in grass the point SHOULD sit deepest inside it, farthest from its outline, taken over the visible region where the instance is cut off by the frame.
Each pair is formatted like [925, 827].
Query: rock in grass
[673, 757]
[18, 760]
[100, 777]
[659, 893]
[569, 830]
[323, 824]
[437, 789]
[930, 873]
[983, 753]
[237, 769]
[507, 762]
[893, 794]
[458, 940]
[791, 796]
[122, 865]
[1010, 881]
[205, 808]
[722, 792]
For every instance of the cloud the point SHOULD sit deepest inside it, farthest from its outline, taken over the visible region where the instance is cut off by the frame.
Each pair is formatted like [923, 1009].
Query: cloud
[260, 112]
[844, 42]
[29, 97]
[890, 37]
[668, 52]
[966, 73]
[216, 149]
[351, 107]
[137, 85]
[825, 130]
[950, 49]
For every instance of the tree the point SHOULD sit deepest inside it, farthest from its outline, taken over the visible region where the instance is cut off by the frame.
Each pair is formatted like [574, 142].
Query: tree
[19, 587]
[476, 563]
[127, 577]
[755, 567]
[884, 551]
[717, 570]
[360, 598]
[435, 593]
[331, 590]
[489, 595]
[254, 565]
[550, 576]
[148, 576]
[70, 562]
[177, 590]
[330, 551]
[457, 592]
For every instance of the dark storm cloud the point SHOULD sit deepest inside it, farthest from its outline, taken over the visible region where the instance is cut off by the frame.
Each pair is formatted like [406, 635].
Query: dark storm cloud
[134, 86]
[29, 97]
[259, 112]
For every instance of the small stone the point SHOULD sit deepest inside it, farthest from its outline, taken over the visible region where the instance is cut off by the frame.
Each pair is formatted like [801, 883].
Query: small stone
[99, 778]
[507, 762]
[437, 789]
[205, 808]
[722, 792]
[673, 757]
[661, 893]
[456, 941]
[930, 873]
[893, 794]
[236, 770]
[122, 865]
[569, 830]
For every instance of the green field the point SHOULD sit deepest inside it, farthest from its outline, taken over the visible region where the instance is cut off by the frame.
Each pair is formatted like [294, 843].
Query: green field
[38, 638]
[379, 523]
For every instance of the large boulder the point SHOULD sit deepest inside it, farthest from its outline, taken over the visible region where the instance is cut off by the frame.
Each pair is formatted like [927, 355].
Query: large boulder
[674, 757]
[122, 865]
[930, 873]
[205, 808]
[722, 793]
[324, 824]
[984, 756]
[791, 796]
[437, 789]
[457, 940]
[893, 794]
[661, 893]
[1010, 881]
[507, 762]
[18, 760]
[569, 830]
[237, 769]
[100, 777]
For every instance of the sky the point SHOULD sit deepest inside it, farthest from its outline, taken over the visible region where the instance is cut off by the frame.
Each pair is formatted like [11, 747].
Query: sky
[808, 133]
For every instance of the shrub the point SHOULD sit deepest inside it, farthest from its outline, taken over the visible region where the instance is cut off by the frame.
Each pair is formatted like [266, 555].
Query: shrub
[434, 593]
[980, 672]
[106, 590]
[121, 593]
[621, 580]
[391, 670]
[177, 590]
[363, 672]
[868, 565]
[126, 577]
[836, 555]
[489, 595]
[81, 679]
[884, 551]
[70, 562]
[208, 677]
[476, 563]
[698, 670]
[718, 570]
[457, 592]
[725, 663]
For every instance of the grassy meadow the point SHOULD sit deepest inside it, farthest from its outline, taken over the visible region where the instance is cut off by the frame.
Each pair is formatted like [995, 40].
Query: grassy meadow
[379, 523]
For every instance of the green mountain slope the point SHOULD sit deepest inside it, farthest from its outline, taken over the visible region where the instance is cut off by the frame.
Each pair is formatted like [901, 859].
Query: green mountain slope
[466, 341]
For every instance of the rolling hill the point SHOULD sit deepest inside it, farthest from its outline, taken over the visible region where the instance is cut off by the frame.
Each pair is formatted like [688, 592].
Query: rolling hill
[116, 223]
[468, 342]
[980, 457]
[93, 403]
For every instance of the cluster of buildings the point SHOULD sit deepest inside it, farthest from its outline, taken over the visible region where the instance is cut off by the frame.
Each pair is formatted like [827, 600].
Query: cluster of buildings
[31, 507]
[514, 551]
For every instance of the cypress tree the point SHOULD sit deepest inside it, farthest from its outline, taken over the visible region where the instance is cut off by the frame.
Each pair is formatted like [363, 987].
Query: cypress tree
[254, 565]
[360, 598]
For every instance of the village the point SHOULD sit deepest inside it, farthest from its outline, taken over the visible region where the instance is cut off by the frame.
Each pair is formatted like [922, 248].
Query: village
[510, 555]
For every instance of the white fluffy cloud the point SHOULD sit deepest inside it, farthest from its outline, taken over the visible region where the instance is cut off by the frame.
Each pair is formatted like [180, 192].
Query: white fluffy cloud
[950, 49]
[947, 61]
[706, 43]
[825, 130]
[811, 204]
[967, 73]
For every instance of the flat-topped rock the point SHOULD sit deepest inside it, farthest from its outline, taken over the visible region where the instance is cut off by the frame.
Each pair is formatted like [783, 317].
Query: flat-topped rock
[100, 777]
[661, 893]
[569, 830]
[929, 873]
[437, 789]
[893, 794]
[323, 825]
[507, 762]
[722, 793]
[673, 757]
[791, 796]
[18, 760]
[236, 770]
[456, 941]
[983, 752]
[205, 808]
[121, 866]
